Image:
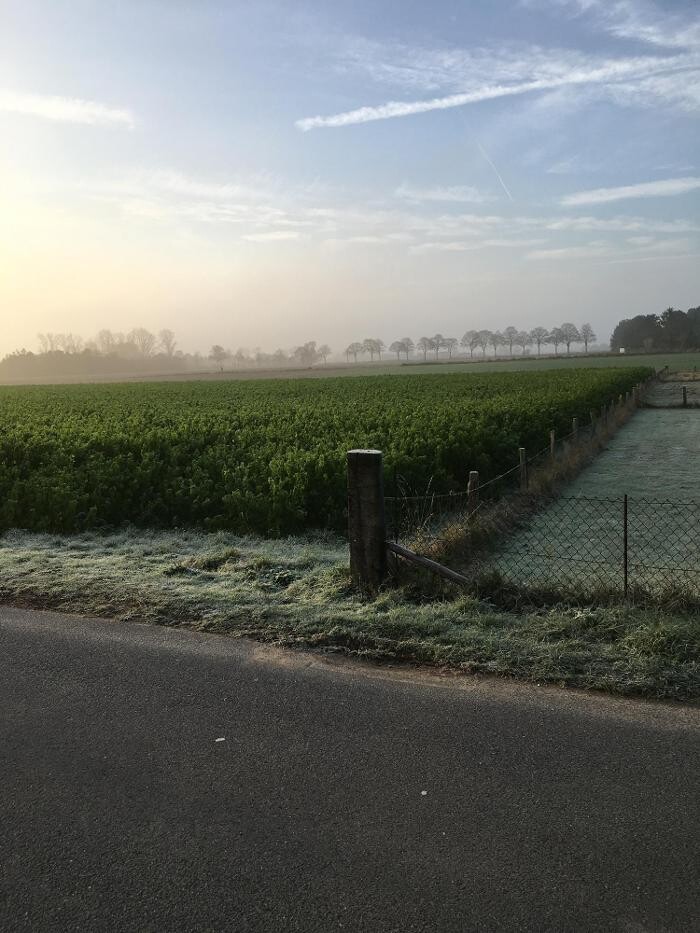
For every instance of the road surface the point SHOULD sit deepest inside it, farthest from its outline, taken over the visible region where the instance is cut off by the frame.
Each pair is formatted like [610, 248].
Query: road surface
[155, 779]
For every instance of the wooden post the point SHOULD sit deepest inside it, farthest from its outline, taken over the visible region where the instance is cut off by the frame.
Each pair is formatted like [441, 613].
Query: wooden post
[473, 491]
[552, 445]
[366, 519]
[523, 469]
[685, 397]
[574, 429]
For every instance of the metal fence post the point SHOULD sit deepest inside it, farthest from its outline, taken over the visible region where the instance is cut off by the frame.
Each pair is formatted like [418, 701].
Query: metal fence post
[523, 469]
[473, 491]
[366, 518]
[625, 545]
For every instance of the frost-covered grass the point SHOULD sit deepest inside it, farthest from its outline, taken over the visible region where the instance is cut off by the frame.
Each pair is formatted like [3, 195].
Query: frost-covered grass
[296, 591]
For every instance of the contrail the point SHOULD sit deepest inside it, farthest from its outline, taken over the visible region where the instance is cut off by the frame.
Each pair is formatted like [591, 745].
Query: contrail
[606, 72]
[498, 174]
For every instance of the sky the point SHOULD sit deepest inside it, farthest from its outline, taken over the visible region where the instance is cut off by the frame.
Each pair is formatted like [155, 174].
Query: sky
[259, 174]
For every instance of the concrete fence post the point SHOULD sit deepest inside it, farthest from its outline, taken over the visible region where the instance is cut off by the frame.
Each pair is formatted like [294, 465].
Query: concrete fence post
[473, 490]
[366, 518]
[522, 458]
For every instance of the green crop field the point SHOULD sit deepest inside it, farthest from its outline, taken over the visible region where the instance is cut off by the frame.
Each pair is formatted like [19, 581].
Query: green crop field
[266, 456]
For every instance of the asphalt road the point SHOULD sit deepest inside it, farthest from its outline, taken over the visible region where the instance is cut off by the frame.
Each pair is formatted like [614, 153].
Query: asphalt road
[342, 797]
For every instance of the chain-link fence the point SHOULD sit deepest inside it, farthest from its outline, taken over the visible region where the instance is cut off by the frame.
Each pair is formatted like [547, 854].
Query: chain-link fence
[512, 533]
[582, 547]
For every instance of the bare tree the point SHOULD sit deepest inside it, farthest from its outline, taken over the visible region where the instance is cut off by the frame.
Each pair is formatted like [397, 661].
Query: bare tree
[523, 340]
[143, 340]
[438, 343]
[353, 349]
[510, 335]
[373, 345]
[397, 348]
[570, 335]
[167, 341]
[71, 343]
[106, 341]
[218, 355]
[587, 335]
[539, 335]
[307, 353]
[470, 341]
[408, 346]
[497, 341]
[451, 344]
[324, 351]
[424, 344]
[484, 339]
[556, 337]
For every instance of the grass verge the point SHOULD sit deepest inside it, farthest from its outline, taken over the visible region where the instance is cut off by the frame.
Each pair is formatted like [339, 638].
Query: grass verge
[296, 591]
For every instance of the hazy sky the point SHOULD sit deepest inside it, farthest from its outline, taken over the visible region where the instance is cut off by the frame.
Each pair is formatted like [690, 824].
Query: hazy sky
[264, 173]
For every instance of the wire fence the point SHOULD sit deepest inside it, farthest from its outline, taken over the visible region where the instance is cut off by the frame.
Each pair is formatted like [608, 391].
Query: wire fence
[675, 393]
[513, 533]
[568, 546]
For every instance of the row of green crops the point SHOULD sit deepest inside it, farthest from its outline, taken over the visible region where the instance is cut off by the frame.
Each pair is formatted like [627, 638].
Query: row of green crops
[266, 456]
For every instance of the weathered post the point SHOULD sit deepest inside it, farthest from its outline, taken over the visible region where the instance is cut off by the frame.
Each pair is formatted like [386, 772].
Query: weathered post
[473, 491]
[574, 429]
[552, 445]
[685, 397]
[523, 469]
[366, 519]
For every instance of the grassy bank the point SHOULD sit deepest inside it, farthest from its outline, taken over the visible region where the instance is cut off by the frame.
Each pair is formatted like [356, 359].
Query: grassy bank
[296, 592]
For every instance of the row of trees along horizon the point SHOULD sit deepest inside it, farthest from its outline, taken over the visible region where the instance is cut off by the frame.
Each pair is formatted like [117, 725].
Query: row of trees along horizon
[473, 340]
[140, 350]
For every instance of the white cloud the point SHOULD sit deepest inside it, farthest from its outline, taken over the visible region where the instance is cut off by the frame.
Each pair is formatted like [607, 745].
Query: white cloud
[452, 194]
[655, 258]
[593, 251]
[272, 236]
[64, 109]
[622, 225]
[445, 247]
[651, 189]
[635, 19]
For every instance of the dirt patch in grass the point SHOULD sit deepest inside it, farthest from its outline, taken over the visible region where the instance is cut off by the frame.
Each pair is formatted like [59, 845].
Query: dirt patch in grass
[296, 591]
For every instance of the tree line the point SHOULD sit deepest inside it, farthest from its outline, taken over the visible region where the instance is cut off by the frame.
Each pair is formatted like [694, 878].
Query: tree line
[304, 355]
[142, 351]
[473, 340]
[671, 330]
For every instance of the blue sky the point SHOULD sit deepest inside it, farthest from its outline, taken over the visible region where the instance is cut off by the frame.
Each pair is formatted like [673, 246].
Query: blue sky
[260, 174]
